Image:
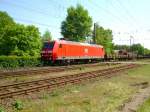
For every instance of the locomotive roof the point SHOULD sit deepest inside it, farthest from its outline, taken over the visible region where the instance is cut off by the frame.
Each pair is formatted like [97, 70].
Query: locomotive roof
[79, 43]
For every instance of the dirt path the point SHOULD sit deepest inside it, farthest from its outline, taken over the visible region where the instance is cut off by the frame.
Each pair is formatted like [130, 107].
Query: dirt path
[137, 100]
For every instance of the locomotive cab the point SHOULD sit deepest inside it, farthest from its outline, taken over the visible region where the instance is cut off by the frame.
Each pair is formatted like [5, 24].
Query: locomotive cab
[47, 50]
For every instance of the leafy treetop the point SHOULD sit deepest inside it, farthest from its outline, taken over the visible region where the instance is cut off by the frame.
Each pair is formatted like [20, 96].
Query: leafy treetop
[77, 25]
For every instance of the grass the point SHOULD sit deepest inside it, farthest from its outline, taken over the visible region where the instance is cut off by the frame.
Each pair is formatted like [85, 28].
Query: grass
[144, 60]
[92, 98]
[145, 107]
[103, 95]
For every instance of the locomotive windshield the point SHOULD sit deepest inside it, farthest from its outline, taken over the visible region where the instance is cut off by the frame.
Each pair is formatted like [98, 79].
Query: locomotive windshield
[49, 45]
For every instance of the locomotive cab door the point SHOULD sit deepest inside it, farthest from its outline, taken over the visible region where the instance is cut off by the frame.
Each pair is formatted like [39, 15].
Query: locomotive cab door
[62, 50]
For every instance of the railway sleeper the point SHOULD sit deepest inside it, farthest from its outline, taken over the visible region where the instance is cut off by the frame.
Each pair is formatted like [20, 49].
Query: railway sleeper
[70, 80]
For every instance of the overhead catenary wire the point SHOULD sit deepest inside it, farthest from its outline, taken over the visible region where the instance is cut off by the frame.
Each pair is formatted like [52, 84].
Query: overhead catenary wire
[29, 21]
[30, 9]
[109, 12]
[61, 7]
[128, 13]
[35, 22]
[125, 16]
[128, 16]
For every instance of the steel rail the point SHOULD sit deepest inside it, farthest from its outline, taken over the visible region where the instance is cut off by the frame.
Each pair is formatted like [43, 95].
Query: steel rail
[51, 83]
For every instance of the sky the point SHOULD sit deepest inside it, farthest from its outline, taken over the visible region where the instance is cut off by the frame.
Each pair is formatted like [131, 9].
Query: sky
[128, 19]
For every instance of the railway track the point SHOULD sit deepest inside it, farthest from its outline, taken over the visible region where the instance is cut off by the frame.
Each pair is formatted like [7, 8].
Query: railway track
[43, 71]
[24, 88]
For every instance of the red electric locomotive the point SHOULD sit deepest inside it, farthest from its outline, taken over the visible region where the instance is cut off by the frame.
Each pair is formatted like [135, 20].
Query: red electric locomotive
[61, 50]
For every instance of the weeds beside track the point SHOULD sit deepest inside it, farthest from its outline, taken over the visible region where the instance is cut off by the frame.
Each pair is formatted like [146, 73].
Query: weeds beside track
[52, 83]
[45, 70]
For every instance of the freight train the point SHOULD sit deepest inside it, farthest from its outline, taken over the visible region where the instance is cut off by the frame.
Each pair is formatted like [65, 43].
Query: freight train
[62, 51]
[65, 52]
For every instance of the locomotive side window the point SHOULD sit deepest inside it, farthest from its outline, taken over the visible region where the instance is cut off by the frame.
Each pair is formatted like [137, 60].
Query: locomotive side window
[60, 45]
[49, 45]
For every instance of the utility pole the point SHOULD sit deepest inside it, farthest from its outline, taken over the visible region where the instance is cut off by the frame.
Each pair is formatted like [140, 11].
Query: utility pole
[144, 49]
[131, 50]
[94, 34]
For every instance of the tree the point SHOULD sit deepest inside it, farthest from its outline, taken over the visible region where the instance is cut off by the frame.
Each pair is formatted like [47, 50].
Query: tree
[146, 51]
[8, 41]
[5, 21]
[137, 48]
[77, 25]
[21, 40]
[104, 37]
[47, 36]
[6, 24]
[120, 47]
[17, 39]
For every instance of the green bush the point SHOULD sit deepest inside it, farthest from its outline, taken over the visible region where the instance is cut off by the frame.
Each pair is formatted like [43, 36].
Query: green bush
[18, 105]
[18, 61]
[1, 109]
